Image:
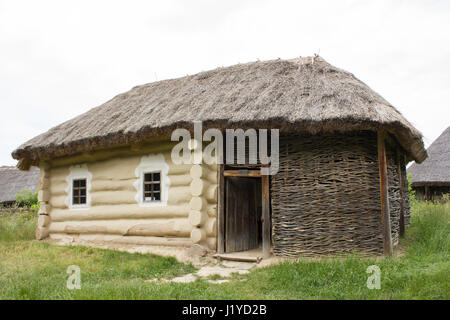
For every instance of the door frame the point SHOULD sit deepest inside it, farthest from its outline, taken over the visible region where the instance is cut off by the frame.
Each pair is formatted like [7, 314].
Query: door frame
[265, 197]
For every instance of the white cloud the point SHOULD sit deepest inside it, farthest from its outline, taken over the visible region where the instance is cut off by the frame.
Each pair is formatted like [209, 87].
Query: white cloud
[59, 59]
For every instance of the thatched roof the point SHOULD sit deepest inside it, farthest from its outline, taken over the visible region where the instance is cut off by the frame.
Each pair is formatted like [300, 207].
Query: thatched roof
[12, 181]
[434, 171]
[299, 95]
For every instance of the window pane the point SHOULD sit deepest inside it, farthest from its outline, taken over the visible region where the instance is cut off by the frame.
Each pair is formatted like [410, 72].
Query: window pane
[152, 186]
[79, 191]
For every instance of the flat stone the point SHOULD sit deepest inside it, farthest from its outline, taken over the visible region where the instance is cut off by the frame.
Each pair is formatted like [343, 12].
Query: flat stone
[184, 279]
[218, 281]
[221, 271]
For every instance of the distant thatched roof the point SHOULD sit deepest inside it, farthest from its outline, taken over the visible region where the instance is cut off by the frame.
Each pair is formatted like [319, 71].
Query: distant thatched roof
[301, 95]
[12, 181]
[434, 171]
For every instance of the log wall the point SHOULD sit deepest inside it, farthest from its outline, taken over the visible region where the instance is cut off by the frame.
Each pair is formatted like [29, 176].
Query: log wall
[114, 215]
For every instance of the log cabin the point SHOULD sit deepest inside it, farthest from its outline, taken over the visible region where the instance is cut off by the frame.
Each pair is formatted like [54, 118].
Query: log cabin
[108, 175]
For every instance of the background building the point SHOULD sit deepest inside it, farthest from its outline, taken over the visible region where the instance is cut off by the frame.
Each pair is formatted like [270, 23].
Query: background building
[13, 180]
[431, 178]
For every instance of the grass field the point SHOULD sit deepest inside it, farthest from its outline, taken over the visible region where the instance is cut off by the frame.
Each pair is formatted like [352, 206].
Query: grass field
[33, 270]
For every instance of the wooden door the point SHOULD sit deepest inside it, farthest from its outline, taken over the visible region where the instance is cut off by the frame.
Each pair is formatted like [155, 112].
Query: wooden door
[241, 220]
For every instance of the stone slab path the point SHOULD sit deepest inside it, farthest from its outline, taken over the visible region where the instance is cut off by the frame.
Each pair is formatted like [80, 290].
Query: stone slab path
[225, 270]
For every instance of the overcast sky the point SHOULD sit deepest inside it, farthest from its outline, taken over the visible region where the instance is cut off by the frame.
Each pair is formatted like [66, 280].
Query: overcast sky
[59, 59]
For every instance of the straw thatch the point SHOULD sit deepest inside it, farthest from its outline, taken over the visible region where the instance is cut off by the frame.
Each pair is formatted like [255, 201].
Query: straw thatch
[299, 95]
[434, 171]
[13, 181]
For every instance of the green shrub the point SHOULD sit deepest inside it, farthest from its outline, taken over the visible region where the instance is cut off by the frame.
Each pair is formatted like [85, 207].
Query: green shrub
[27, 198]
[412, 192]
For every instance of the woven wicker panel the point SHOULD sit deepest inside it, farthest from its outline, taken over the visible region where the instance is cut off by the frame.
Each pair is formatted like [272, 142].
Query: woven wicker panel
[394, 193]
[406, 206]
[325, 197]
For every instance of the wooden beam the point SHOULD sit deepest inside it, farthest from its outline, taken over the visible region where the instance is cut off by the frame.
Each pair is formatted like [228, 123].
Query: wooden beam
[384, 194]
[221, 210]
[242, 173]
[239, 258]
[400, 166]
[265, 216]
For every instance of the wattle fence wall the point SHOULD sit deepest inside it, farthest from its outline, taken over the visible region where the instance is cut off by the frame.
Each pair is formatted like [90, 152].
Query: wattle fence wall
[326, 196]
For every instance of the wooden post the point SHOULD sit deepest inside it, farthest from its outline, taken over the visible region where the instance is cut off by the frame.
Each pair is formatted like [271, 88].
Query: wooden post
[265, 216]
[400, 165]
[384, 193]
[427, 193]
[221, 211]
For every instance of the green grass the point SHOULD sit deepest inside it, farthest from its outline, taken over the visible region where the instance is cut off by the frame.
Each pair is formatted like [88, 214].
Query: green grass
[34, 270]
[17, 226]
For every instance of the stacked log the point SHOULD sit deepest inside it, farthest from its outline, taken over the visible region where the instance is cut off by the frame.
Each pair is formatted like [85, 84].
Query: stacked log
[203, 204]
[42, 230]
[188, 218]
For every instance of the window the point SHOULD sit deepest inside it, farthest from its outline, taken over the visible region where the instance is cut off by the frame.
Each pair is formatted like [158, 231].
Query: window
[152, 181]
[79, 191]
[152, 186]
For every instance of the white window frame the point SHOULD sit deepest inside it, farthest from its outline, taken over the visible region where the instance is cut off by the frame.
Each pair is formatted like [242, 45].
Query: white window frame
[78, 172]
[150, 164]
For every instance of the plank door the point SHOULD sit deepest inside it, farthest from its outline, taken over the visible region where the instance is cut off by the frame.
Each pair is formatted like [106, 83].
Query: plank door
[241, 220]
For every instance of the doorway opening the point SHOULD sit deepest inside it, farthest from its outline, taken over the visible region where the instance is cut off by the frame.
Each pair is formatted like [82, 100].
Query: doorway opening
[244, 222]
[243, 207]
